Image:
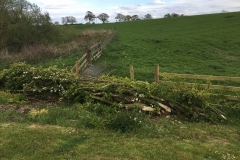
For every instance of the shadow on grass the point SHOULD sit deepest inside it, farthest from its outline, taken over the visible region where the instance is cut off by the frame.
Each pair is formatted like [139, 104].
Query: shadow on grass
[70, 143]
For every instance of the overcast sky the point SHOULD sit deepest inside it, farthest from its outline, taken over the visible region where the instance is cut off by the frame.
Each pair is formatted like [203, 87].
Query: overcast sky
[157, 8]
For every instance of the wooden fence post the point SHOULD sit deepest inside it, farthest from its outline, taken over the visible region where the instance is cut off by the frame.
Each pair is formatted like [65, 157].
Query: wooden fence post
[89, 56]
[156, 73]
[100, 45]
[77, 68]
[99, 39]
[100, 48]
[131, 72]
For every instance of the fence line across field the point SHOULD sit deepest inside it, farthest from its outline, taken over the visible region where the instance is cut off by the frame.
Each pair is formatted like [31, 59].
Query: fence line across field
[204, 77]
[92, 53]
[157, 74]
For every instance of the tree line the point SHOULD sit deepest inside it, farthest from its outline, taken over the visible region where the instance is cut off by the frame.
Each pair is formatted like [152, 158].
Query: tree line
[173, 15]
[90, 18]
[121, 18]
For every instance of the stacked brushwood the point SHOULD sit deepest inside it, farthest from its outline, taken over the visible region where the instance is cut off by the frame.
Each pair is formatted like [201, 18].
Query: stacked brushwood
[158, 99]
[127, 98]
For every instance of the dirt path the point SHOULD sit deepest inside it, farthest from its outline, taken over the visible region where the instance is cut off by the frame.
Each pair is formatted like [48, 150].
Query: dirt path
[95, 70]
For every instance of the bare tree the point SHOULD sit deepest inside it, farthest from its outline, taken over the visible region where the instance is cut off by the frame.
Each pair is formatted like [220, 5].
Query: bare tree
[148, 16]
[120, 17]
[89, 16]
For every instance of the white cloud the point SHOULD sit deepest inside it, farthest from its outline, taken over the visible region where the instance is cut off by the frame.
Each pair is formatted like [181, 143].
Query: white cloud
[157, 8]
[194, 7]
[157, 2]
[56, 2]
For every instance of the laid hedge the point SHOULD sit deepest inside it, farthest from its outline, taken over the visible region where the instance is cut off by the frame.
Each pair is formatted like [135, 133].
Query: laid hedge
[162, 100]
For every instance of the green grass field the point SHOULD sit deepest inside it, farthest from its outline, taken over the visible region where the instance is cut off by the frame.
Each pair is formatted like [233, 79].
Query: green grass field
[61, 131]
[191, 141]
[205, 44]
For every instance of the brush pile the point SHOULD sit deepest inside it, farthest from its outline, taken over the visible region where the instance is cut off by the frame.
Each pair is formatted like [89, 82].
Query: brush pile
[161, 100]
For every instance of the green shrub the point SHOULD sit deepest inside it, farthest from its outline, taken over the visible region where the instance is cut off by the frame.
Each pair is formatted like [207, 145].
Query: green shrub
[13, 78]
[125, 121]
[23, 77]
[74, 94]
[24, 26]
[6, 98]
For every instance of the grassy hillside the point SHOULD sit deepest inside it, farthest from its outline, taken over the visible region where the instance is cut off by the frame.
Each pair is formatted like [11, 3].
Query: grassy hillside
[44, 126]
[205, 44]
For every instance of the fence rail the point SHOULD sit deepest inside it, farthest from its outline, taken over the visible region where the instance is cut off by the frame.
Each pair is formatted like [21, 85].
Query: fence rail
[215, 87]
[109, 39]
[92, 53]
[203, 77]
[157, 74]
[96, 51]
